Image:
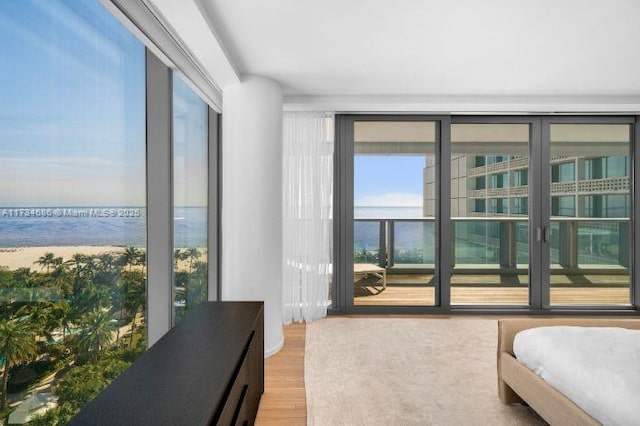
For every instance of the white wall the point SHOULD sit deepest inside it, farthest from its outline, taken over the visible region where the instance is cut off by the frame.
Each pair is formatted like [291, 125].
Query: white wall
[252, 199]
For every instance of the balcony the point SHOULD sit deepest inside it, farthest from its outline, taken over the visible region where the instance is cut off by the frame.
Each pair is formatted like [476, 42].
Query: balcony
[588, 265]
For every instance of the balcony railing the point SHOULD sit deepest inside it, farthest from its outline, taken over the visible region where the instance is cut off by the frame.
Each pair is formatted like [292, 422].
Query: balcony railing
[615, 185]
[494, 243]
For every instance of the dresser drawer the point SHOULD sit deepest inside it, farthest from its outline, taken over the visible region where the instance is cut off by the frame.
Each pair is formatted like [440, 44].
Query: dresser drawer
[234, 400]
[234, 407]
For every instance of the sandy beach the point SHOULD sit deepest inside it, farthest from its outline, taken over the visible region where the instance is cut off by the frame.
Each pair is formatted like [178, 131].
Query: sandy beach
[24, 257]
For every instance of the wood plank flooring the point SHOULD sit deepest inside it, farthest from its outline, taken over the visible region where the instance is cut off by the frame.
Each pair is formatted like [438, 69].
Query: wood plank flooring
[284, 402]
[416, 290]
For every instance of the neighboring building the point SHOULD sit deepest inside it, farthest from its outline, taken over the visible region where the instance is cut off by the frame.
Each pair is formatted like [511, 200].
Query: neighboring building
[581, 187]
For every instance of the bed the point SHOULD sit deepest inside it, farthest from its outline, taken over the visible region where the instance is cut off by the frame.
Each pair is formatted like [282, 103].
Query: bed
[517, 383]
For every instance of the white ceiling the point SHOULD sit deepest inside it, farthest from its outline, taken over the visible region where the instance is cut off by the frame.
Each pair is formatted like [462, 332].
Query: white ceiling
[434, 48]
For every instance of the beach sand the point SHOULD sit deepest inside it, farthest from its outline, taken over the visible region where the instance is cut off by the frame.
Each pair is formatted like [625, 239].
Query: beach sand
[24, 257]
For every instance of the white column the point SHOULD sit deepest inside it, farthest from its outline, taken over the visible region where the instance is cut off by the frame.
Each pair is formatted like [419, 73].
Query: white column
[252, 200]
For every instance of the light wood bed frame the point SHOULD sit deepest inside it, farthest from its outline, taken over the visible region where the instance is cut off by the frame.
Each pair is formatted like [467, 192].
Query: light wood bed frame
[516, 383]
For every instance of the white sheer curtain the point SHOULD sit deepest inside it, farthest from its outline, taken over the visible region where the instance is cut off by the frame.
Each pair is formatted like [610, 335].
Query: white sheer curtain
[307, 212]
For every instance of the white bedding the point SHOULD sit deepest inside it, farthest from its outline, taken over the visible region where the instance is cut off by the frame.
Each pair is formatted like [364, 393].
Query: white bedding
[598, 368]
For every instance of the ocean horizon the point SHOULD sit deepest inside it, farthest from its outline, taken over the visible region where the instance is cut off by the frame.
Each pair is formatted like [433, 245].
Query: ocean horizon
[94, 226]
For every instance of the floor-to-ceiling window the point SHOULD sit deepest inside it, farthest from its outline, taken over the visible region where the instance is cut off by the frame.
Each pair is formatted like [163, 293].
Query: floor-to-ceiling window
[79, 239]
[190, 198]
[72, 204]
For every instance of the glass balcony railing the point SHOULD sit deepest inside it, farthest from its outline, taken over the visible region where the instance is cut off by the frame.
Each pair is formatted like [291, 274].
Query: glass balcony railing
[494, 243]
[395, 242]
[589, 243]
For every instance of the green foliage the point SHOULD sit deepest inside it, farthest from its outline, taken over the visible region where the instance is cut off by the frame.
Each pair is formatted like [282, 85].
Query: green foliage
[17, 345]
[58, 416]
[193, 281]
[414, 255]
[82, 384]
[366, 256]
[72, 311]
[96, 333]
[46, 261]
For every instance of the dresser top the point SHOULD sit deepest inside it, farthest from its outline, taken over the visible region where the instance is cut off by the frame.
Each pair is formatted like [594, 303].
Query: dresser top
[182, 377]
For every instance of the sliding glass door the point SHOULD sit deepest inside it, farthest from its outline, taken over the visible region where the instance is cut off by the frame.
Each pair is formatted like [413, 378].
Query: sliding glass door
[525, 214]
[590, 211]
[394, 205]
[490, 213]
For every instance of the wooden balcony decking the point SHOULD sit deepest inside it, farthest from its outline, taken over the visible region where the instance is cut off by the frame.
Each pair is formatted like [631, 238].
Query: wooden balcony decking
[496, 289]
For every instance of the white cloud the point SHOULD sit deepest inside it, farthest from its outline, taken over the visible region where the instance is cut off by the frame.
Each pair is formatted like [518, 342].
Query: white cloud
[390, 199]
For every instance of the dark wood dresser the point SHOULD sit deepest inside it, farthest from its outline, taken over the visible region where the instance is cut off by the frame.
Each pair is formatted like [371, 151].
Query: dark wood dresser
[208, 370]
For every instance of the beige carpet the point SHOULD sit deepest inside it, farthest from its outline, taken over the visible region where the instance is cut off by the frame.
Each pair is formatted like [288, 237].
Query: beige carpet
[405, 371]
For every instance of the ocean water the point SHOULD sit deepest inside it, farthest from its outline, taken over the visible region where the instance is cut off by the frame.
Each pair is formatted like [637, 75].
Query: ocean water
[409, 235]
[73, 226]
[414, 241]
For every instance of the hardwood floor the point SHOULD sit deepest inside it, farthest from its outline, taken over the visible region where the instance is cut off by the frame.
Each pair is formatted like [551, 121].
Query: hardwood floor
[416, 290]
[284, 402]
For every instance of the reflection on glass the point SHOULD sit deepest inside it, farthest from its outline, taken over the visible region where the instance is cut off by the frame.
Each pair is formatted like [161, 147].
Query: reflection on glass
[413, 243]
[367, 242]
[190, 137]
[489, 209]
[394, 200]
[590, 207]
[72, 218]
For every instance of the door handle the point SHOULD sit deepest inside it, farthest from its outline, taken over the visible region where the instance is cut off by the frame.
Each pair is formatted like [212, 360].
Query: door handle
[543, 233]
[538, 235]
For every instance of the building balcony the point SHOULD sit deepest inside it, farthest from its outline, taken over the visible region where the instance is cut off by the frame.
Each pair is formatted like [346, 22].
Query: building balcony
[589, 260]
[614, 185]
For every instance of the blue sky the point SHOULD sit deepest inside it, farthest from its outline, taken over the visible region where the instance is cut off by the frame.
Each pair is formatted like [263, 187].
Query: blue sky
[388, 181]
[190, 161]
[72, 116]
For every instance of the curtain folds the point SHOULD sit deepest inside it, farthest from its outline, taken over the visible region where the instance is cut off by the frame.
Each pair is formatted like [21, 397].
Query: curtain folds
[307, 214]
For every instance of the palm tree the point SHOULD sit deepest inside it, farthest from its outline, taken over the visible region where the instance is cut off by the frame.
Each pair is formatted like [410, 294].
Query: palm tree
[45, 260]
[57, 262]
[107, 261]
[134, 299]
[192, 254]
[61, 279]
[17, 345]
[76, 261]
[179, 255]
[108, 270]
[90, 268]
[94, 297]
[130, 257]
[62, 316]
[39, 316]
[96, 334]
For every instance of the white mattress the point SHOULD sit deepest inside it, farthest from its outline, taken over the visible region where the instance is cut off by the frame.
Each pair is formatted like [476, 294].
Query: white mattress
[598, 368]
